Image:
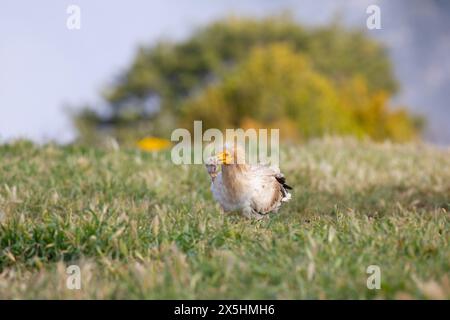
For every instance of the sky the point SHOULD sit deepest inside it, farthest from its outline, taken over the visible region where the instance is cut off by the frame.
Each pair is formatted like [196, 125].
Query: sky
[46, 70]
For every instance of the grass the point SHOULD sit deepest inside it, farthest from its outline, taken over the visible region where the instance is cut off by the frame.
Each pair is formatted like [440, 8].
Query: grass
[140, 227]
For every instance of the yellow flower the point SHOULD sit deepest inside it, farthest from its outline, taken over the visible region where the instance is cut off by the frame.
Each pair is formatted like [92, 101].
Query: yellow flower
[153, 144]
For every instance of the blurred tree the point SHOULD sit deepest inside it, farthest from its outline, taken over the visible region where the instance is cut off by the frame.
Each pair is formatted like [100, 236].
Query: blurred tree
[374, 116]
[272, 85]
[173, 70]
[277, 87]
[168, 78]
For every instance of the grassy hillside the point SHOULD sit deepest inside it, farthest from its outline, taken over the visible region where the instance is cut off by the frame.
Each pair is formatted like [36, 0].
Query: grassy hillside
[140, 227]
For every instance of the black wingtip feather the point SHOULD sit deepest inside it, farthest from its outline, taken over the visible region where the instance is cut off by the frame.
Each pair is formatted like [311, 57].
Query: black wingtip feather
[282, 180]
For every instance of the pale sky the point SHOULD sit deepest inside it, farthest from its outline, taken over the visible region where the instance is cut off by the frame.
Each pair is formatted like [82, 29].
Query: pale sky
[44, 67]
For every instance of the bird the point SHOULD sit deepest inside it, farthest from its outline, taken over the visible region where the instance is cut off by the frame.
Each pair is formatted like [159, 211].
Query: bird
[254, 190]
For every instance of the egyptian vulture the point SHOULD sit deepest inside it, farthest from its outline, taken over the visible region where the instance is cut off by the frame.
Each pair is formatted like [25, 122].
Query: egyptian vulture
[252, 190]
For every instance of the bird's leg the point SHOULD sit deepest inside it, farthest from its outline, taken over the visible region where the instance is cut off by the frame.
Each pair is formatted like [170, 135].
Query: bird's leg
[249, 213]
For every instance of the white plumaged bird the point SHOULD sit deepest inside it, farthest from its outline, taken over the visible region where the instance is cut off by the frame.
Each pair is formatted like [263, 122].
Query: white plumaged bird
[252, 190]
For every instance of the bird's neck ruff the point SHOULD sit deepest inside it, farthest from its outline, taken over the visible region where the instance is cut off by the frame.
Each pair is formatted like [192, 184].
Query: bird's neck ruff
[233, 177]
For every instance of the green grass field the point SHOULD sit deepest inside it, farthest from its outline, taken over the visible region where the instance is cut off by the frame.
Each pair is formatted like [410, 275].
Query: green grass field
[140, 227]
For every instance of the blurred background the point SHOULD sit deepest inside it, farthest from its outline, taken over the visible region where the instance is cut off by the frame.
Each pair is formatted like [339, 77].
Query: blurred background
[143, 68]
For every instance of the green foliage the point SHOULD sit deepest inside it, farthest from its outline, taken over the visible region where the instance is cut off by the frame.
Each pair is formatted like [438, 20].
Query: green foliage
[373, 116]
[173, 70]
[210, 60]
[272, 84]
[140, 227]
[276, 87]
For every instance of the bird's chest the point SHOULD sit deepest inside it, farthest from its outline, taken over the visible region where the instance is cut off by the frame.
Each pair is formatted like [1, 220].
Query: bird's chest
[233, 195]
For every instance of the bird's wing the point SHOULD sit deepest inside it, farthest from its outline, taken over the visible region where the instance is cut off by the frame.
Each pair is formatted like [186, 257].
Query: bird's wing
[270, 189]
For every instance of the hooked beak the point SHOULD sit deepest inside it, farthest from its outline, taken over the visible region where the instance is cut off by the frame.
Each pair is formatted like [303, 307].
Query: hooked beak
[224, 158]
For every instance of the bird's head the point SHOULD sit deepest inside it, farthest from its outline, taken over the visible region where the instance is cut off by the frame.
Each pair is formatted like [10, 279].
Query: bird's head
[231, 154]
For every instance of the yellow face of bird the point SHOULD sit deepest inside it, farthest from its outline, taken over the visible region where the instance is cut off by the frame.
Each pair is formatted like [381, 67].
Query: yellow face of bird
[225, 157]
